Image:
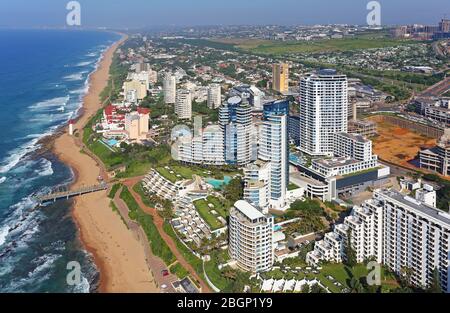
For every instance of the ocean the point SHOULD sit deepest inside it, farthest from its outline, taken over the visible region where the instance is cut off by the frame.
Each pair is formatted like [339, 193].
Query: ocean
[43, 78]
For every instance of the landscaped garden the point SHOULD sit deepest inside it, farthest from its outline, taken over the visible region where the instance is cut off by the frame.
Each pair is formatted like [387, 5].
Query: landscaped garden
[206, 211]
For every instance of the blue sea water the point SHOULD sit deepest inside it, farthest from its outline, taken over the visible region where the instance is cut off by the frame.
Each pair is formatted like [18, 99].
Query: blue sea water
[43, 77]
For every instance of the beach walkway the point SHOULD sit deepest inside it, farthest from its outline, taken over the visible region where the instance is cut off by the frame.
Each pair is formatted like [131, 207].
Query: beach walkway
[159, 223]
[155, 264]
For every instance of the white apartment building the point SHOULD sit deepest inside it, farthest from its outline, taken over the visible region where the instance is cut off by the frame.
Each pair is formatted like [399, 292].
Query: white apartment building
[323, 111]
[214, 96]
[257, 184]
[206, 148]
[157, 184]
[251, 238]
[169, 88]
[364, 228]
[400, 232]
[273, 148]
[352, 145]
[416, 236]
[183, 104]
[244, 137]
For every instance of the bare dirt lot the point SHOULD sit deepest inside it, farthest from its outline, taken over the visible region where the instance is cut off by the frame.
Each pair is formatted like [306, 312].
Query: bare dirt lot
[399, 145]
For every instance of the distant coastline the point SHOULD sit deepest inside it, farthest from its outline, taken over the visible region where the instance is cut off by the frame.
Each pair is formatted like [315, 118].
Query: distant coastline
[118, 255]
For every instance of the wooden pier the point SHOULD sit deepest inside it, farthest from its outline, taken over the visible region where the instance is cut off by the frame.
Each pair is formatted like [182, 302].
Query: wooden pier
[67, 194]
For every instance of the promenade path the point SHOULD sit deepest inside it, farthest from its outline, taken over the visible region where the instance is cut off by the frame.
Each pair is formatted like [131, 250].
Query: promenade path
[155, 264]
[159, 222]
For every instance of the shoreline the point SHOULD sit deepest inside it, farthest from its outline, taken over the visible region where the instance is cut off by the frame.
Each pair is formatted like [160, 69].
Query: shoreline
[118, 255]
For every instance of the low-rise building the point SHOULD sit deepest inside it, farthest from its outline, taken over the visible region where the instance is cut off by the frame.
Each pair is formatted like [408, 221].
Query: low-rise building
[437, 159]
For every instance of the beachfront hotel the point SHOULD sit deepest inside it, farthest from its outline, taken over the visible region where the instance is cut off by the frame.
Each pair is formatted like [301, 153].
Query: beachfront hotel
[401, 232]
[137, 124]
[323, 111]
[251, 238]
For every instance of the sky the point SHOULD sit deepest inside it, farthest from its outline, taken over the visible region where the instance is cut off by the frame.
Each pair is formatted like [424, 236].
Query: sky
[148, 13]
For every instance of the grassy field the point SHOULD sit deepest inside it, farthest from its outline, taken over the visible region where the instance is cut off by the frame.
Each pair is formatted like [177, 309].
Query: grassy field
[205, 212]
[221, 207]
[114, 190]
[179, 270]
[292, 186]
[317, 46]
[178, 172]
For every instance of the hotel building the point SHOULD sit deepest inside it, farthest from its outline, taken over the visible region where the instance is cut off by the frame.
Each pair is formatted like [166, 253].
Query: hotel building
[137, 124]
[323, 111]
[138, 88]
[274, 148]
[251, 238]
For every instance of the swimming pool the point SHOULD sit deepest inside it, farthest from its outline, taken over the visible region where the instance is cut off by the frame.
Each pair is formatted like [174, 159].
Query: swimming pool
[218, 184]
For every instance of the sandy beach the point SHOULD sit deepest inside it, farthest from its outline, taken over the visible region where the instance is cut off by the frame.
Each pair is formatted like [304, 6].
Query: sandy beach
[118, 254]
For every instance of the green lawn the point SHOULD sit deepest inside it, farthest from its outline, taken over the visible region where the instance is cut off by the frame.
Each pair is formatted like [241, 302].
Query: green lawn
[292, 186]
[194, 261]
[167, 175]
[109, 158]
[114, 190]
[214, 274]
[140, 191]
[179, 270]
[204, 211]
[221, 207]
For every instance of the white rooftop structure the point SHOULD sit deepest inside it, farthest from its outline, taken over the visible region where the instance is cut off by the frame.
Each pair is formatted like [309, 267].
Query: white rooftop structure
[248, 210]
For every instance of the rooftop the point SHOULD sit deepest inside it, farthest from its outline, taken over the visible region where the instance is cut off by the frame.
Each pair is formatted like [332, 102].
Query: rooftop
[248, 210]
[414, 204]
[335, 162]
[355, 137]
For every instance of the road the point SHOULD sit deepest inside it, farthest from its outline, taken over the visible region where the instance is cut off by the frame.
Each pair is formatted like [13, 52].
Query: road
[437, 89]
[159, 223]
